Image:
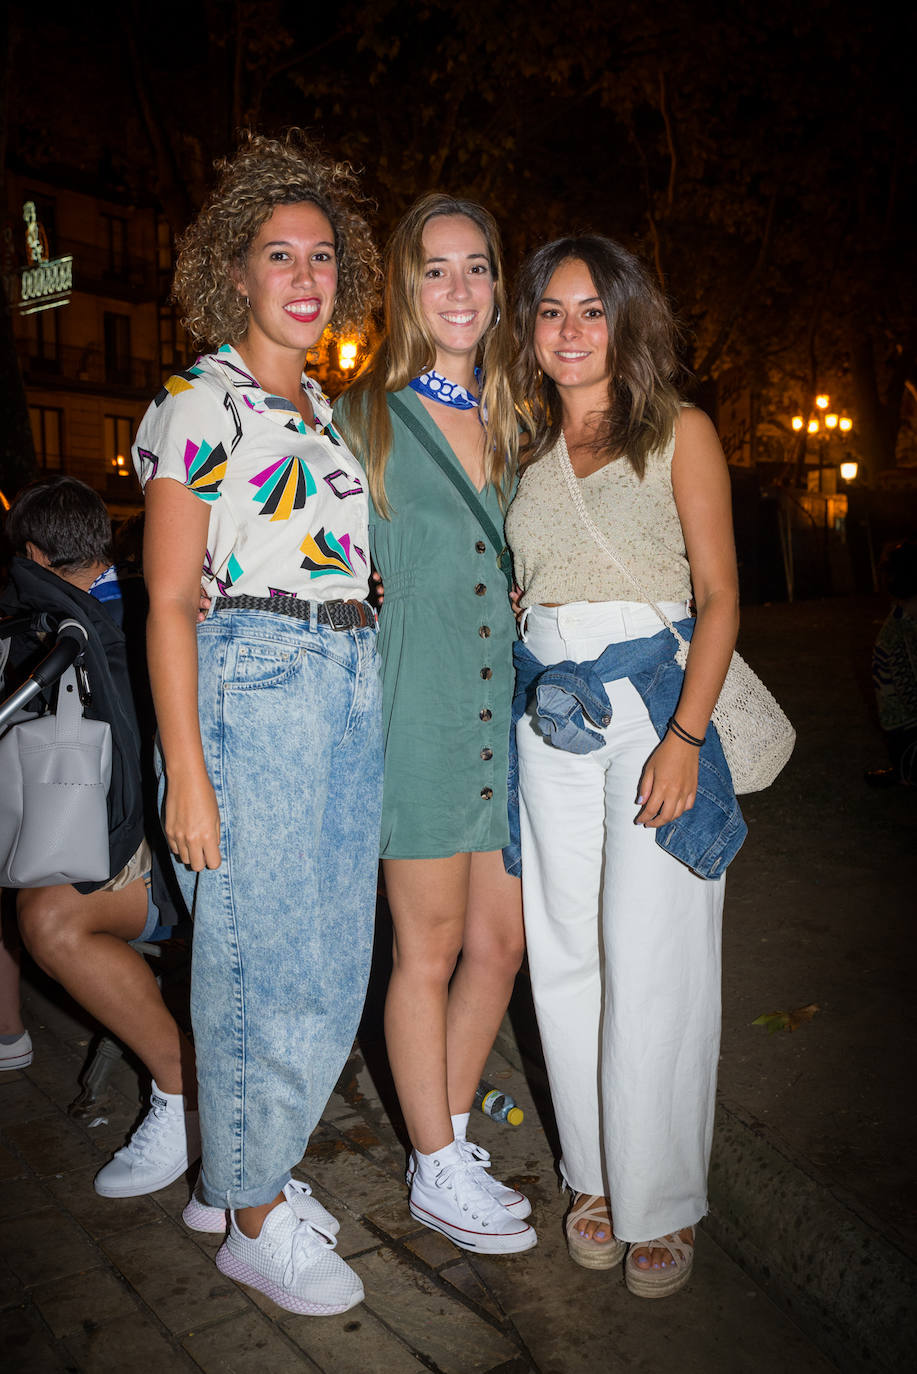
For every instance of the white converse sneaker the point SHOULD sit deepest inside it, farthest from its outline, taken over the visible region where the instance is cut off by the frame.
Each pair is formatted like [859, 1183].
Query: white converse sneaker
[198, 1216]
[165, 1143]
[17, 1055]
[476, 1155]
[456, 1203]
[293, 1263]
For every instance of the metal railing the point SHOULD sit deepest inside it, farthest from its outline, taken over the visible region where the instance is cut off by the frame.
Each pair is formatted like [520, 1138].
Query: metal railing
[90, 365]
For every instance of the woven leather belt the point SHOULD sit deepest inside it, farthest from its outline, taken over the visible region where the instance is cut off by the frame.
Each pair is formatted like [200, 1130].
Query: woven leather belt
[339, 615]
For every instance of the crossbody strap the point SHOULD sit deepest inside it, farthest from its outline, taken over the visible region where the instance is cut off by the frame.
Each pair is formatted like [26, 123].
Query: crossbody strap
[465, 491]
[576, 496]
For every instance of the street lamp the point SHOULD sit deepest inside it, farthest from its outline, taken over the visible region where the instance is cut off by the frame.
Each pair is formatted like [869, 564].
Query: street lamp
[823, 423]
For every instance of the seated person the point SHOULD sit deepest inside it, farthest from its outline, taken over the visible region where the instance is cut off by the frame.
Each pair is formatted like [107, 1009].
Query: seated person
[79, 934]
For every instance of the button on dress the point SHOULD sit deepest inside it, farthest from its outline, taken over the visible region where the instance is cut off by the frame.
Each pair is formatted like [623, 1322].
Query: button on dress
[446, 632]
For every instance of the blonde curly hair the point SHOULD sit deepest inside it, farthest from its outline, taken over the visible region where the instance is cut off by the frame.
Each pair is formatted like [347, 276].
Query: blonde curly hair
[264, 173]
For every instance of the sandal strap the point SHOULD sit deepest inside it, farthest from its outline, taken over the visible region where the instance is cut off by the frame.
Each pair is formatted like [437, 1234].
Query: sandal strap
[591, 1208]
[681, 1251]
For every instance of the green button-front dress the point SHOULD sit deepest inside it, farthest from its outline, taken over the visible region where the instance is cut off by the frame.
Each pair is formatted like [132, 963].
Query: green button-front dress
[446, 633]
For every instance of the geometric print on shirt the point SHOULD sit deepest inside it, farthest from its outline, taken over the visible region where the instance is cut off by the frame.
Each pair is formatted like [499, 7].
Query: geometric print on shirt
[205, 468]
[327, 554]
[283, 487]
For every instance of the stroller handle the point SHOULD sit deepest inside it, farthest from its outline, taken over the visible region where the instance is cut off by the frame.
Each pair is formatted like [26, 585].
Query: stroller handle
[71, 640]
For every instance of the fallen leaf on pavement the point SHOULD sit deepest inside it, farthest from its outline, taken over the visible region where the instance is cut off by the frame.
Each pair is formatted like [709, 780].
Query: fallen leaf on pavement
[786, 1020]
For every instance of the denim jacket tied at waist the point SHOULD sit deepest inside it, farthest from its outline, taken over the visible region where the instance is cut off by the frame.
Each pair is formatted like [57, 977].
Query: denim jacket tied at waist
[568, 695]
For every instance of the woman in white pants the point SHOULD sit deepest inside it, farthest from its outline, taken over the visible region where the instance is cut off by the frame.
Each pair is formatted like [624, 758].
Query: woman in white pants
[623, 852]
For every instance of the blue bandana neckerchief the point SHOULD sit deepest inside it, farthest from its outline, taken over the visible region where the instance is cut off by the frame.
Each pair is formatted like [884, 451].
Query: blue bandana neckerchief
[436, 387]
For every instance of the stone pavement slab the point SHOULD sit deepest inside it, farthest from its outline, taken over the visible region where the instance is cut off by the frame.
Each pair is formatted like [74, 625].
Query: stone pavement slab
[102, 1286]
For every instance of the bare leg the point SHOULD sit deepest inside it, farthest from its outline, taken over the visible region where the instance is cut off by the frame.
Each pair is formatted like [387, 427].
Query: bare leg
[483, 984]
[438, 1035]
[10, 1010]
[428, 900]
[81, 941]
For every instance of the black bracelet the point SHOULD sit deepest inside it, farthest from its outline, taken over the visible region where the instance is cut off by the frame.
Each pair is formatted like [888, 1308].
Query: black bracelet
[682, 734]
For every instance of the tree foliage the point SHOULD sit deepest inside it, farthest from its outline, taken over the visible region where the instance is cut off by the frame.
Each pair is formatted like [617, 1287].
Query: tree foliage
[758, 155]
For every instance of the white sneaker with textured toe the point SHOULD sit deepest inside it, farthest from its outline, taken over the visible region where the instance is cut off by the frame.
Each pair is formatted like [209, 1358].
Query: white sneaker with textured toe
[452, 1199]
[293, 1263]
[164, 1145]
[476, 1155]
[199, 1216]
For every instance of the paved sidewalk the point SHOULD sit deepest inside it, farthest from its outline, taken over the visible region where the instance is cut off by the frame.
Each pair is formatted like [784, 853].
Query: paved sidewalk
[105, 1287]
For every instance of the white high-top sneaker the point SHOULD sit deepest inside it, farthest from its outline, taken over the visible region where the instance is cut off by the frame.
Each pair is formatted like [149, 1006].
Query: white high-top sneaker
[164, 1145]
[447, 1195]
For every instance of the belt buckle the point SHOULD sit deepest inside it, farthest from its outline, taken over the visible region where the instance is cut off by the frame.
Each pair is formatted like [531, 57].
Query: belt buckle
[339, 616]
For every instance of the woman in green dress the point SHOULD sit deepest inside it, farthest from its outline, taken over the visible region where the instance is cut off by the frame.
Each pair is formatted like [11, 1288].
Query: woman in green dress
[437, 436]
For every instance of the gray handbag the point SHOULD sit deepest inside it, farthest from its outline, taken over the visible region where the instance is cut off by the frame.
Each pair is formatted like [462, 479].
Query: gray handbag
[55, 772]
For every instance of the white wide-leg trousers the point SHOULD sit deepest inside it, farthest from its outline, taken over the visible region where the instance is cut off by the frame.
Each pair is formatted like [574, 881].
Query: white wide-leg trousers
[624, 951]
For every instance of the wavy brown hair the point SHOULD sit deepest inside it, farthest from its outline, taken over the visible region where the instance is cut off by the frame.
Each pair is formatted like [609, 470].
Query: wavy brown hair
[264, 173]
[407, 348]
[643, 401]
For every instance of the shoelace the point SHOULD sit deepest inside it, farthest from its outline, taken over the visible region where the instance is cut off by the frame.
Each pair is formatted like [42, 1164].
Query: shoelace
[147, 1134]
[476, 1153]
[460, 1178]
[308, 1243]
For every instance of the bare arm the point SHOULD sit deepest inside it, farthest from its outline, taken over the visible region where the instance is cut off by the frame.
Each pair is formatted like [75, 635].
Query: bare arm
[175, 539]
[700, 480]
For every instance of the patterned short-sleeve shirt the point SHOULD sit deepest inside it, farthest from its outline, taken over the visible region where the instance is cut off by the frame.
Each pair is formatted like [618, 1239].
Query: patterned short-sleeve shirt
[288, 505]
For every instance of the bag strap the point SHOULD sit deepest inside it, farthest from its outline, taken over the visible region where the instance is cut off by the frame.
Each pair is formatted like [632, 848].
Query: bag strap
[576, 496]
[463, 487]
[68, 712]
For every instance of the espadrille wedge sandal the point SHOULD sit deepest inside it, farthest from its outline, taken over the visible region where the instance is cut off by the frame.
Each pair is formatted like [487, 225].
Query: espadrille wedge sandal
[592, 1254]
[670, 1276]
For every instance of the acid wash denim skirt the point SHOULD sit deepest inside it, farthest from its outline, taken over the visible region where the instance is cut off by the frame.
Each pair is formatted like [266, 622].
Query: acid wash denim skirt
[290, 716]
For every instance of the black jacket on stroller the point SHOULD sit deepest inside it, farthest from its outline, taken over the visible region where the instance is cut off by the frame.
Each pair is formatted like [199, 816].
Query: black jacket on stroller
[32, 588]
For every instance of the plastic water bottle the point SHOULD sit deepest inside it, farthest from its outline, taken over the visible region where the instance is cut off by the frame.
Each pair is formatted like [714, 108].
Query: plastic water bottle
[499, 1106]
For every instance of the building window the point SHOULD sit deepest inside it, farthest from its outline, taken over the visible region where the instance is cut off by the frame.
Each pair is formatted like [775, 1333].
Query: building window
[116, 240]
[44, 340]
[47, 428]
[118, 435]
[117, 329]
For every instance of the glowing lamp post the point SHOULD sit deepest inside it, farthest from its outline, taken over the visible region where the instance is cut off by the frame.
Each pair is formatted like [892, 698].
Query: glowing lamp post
[823, 423]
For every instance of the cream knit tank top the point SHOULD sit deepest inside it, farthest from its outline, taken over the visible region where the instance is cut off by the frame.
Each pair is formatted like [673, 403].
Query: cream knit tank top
[555, 558]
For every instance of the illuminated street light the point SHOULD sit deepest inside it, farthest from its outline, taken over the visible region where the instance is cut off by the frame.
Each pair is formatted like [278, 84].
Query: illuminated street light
[823, 425]
[347, 354]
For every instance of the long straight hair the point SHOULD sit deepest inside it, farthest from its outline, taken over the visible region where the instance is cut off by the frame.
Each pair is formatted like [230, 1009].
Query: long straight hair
[407, 348]
[643, 402]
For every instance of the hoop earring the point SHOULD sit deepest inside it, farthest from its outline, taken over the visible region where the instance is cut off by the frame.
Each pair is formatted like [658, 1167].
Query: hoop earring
[496, 319]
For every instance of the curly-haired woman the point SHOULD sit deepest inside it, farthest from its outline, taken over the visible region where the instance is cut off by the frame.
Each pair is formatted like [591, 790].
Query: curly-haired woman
[268, 712]
[432, 420]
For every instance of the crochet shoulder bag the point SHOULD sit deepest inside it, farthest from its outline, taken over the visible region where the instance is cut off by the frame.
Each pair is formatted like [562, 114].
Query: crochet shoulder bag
[756, 736]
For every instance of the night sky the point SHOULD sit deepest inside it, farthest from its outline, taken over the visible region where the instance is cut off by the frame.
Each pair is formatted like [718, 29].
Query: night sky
[759, 156]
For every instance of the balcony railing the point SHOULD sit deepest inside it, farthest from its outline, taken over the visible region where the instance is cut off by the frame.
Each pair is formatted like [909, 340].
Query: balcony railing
[125, 276]
[89, 366]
